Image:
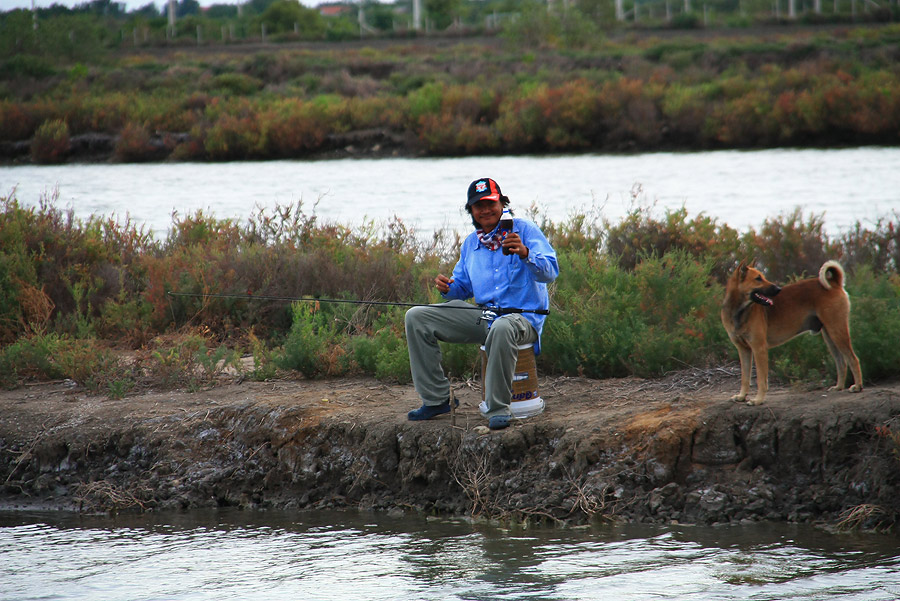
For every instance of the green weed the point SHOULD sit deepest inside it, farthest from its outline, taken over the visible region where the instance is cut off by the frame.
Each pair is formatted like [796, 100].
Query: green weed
[382, 355]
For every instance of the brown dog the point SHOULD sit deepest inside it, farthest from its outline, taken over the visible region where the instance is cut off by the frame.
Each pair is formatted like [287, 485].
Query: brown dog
[759, 315]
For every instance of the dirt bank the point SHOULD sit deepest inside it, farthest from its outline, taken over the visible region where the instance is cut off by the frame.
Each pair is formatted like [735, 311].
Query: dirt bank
[661, 450]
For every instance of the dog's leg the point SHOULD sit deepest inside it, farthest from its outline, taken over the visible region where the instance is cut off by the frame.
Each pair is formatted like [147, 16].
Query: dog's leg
[851, 358]
[857, 371]
[761, 358]
[840, 338]
[746, 367]
[840, 363]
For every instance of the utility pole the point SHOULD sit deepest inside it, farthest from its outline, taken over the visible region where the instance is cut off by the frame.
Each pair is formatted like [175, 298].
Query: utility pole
[364, 27]
[417, 15]
[33, 16]
[172, 18]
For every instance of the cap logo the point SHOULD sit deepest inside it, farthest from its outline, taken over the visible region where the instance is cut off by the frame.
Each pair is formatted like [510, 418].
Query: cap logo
[481, 186]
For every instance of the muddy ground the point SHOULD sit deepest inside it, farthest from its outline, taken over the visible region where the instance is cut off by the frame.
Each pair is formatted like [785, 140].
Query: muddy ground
[664, 450]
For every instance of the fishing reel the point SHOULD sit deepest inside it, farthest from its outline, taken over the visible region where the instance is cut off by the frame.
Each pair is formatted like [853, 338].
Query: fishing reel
[488, 315]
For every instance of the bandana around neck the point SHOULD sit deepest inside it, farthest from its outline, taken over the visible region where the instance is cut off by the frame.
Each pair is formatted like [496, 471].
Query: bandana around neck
[491, 240]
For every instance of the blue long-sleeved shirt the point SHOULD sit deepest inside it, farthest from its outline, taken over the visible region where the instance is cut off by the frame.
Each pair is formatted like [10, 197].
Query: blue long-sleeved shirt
[507, 281]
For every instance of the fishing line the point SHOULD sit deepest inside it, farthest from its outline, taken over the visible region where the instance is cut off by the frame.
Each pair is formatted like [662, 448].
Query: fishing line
[263, 297]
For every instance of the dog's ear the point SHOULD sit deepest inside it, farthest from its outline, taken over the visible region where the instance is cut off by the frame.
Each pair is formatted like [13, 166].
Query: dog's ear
[742, 270]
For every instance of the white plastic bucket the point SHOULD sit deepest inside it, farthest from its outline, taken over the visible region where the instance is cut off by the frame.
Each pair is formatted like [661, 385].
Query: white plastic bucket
[526, 402]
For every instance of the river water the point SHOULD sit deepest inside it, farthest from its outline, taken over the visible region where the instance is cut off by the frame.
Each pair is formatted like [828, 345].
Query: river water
[270, 556]
[740, 188]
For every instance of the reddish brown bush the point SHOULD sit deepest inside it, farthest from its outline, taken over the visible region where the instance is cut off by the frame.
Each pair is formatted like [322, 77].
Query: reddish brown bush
[134, 145]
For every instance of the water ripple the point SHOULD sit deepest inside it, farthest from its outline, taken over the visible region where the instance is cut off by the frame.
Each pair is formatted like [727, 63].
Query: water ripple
[273, 556]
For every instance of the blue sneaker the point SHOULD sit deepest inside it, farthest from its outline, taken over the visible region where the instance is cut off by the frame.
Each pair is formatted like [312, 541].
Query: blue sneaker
[498, 422]
[428, 411]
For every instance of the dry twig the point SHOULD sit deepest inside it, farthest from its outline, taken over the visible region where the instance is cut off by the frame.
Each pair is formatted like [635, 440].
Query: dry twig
[857, 516]
[105, 495]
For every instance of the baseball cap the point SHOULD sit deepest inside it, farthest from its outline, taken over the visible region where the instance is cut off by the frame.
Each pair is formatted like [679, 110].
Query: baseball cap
[483, 189]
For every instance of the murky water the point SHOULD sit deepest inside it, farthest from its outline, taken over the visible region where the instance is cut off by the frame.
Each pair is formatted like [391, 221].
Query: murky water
[741, 189]
[346, 555]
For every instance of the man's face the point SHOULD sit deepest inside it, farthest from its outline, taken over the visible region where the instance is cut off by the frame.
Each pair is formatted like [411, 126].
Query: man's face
[487, 213]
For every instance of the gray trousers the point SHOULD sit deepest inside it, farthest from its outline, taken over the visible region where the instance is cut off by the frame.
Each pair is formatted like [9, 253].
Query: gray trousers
[425, 326]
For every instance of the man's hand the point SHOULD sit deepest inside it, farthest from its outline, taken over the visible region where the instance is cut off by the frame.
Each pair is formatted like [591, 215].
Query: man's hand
[442, 283]
[513, 244]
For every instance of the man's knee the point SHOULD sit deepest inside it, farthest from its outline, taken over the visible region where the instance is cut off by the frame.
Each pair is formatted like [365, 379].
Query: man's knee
[413, 316]
[503, 329]
[513, 329]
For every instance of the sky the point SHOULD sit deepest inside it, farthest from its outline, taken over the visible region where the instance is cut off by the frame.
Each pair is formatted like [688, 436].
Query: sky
[130, 5]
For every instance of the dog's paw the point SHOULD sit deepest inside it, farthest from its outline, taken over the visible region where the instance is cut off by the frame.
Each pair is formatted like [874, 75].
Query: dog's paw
[756, 401]
[738, 398]
[855, 388]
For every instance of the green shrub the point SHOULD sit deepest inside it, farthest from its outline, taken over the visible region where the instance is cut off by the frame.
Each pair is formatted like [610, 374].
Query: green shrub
[28, 358]
[661, 316]
[185, 361]
[686, 110]
[803, 361]
[264, 360]
[89, 364]
[313, 346]
[234, 83]
[640, 234]
[875, 322]
[384, 353]
[51, 356]
[25, 65]
[234, 137]
[593, 323]
[293, 128]
[50, 143]
[460, 361]
[689, 20]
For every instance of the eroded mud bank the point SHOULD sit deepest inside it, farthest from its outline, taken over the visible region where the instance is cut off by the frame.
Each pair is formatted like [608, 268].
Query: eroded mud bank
[626, 449]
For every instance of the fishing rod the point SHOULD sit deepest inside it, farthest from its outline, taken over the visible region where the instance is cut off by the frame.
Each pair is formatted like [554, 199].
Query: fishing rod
[264, 297]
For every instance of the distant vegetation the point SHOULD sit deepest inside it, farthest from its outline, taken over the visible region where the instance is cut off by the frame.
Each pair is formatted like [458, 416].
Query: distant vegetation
[551, 82]
[639, 297]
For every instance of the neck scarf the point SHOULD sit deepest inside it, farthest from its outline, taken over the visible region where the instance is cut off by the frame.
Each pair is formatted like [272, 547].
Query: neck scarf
[491, 240]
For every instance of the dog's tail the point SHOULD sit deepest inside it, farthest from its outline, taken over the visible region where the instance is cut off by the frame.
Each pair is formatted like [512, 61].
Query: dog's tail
[831, 275]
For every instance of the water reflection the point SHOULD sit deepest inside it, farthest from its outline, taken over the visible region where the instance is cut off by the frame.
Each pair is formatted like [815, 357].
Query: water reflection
[338, 555]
